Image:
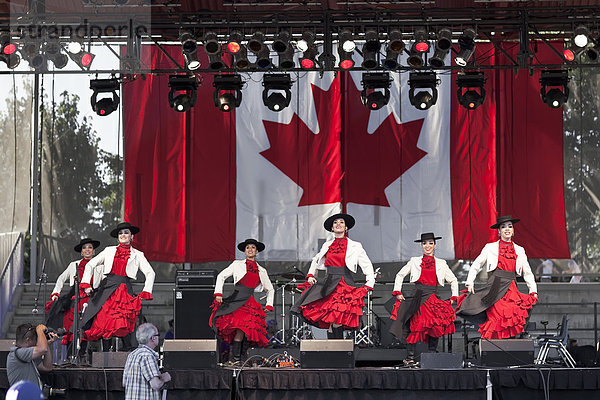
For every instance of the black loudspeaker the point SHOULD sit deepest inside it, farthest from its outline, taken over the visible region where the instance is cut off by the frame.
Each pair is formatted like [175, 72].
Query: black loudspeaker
[196, 278]
[441, 360]
[112, 359]
[190, 353]
[329, 353]
[506, 352]
[192, 311]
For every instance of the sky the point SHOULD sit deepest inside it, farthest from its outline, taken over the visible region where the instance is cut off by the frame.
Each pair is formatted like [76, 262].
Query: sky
[107, 128]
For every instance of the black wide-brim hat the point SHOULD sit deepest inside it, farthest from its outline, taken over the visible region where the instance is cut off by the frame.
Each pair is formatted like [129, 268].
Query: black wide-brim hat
[124, 225]
[94, 243]
[259, 246]
[503, 219]
[427, 236]
[348, 219]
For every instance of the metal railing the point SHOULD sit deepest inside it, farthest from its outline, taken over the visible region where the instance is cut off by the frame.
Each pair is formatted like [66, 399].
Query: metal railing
[11, 250]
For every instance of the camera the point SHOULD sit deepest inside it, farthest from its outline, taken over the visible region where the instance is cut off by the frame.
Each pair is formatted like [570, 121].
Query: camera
[60, 332]
[49, 391]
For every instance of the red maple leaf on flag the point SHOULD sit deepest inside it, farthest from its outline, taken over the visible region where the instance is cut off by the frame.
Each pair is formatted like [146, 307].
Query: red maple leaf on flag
[362, 164]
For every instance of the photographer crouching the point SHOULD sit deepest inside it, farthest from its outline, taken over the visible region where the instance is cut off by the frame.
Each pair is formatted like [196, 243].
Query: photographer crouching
[31, 354]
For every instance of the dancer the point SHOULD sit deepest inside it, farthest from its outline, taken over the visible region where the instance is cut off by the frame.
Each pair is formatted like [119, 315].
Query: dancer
[62, 308]
[113, 309]
[499, 302]
[238, 319]
[335, 303]
[427, 317]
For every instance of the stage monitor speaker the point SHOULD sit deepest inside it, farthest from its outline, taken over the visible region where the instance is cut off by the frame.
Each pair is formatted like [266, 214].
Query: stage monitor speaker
[196, 278]
[192, 311]
[190, 353]
[506, 352]
[441, 360]
[109, 359]
[5, 345]
[331, 353]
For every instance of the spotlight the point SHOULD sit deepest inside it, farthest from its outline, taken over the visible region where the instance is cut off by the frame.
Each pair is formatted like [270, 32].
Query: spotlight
[467, 47]
[421, 44]
[415, 58]
[393, 50]
[557, 79]
[581, 36]
[569, 53]
[592, 53]
[286, 59]
[346, 48]
[263, 61]
[106, 105]
[309, 49]
[372, 98]
[83, 59]
[186, 86]
[39, 62]
[12, 60]
[423, 99]
[211, 44]
[240, 59]
[442, 47]
[54, 54]
[370, 50]
[234, 44]
[272, 94]
[228, 91]
[471, 98]
[281, 42]
[189, 48]
[7, 47]
[74, 47]
[215, 62]
[256, 42]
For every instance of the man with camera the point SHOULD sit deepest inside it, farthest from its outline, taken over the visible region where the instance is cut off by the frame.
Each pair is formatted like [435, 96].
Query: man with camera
[31, 354]
[142, 378]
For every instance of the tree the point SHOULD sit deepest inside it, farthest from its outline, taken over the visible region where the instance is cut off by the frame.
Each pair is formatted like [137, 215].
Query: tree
[81, 184]
[582, 167]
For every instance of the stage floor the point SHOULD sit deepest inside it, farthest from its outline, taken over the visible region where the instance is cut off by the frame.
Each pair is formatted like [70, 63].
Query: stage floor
[342, 384]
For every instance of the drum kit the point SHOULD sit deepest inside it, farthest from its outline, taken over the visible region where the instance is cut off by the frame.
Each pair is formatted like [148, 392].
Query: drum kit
[292, 329]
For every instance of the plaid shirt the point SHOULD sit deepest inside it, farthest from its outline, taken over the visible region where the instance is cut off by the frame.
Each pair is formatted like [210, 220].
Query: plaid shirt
[140, 368]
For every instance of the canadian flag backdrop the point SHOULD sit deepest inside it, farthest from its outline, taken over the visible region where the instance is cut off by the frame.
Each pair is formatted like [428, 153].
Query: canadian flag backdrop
[199, 182]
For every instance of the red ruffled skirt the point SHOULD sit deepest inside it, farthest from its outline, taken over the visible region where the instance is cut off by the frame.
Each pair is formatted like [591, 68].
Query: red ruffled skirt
[343, 306]
[117, 316]
[435, 318]
[250, 318]
[506, 318]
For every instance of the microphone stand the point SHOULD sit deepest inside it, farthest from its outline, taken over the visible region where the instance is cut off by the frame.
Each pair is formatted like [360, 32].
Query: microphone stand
[43, 280]
[76, 344]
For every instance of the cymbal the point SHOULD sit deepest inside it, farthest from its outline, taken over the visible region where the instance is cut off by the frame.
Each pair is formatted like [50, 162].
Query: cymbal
[292, 275]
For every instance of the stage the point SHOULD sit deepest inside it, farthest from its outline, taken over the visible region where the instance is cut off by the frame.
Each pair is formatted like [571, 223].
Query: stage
[343, 384]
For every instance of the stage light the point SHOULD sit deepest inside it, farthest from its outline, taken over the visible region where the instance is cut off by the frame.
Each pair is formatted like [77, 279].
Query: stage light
[263, 61]
[467, 47]
[581, 36]
[12, 60]
[105, 105]
[474, 95]
[39, 62]
[442, 47]
[346, 41]
[182, 95]
[211, 43]
[256, 42]
[421, 44]
[557, 80]
[426, 97]
[286, 59]
[79, 56]
[7, 47]
[189, 48]
[393, 49]
[309, 49]
[345, 49]
[569, 53]
[281, 42]
[54, 54]
[272, 95]
[591, 53]
[234, 44]
[370, 50]
[228, 91]
[415, 58]
[240, 59]
[371, 95]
